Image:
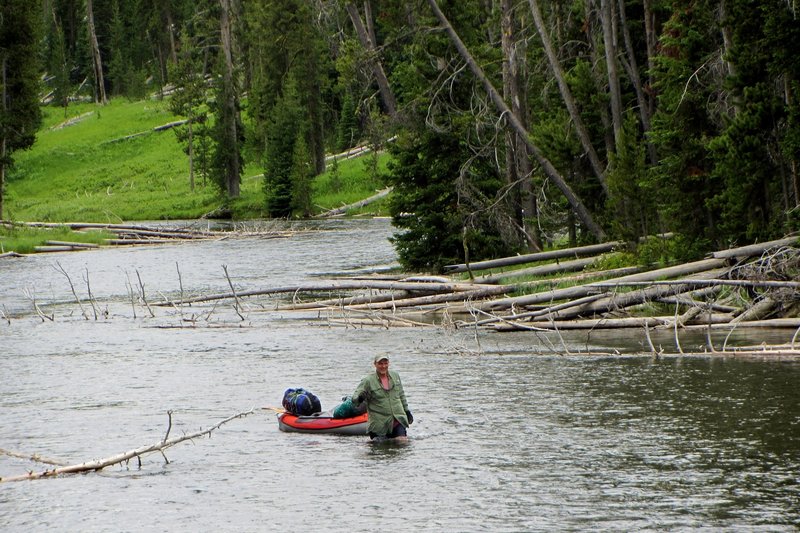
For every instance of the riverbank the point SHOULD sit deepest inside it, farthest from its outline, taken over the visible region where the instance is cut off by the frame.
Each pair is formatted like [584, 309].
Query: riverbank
[122, 162]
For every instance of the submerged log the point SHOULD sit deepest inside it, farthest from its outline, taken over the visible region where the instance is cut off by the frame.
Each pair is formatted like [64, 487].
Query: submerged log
[11, 254]
[99, 464]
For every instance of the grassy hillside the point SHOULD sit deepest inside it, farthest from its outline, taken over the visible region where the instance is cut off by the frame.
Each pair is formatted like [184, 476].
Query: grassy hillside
[83, 169]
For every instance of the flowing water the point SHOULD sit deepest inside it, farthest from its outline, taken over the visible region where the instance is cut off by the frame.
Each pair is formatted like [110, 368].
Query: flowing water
[512, 433]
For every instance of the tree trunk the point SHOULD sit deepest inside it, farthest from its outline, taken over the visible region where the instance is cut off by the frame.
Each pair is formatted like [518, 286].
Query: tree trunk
[233, 170]
[3, 141]
[173, 47]
[518, 164]
[377, 68]
[566, 95]
[650, 41]
[513, 121]
[191, 152]
[610, 44]
[636, 80]
[100, 86]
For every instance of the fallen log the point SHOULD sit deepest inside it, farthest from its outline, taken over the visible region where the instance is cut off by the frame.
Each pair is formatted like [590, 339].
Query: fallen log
[125, 242]
[99, 464]
[73, 244]
[323, 286]
[759, 310]
[45, 249]
[593, 249]
[605, 323]
[356, 205]
[714, 282]
[754, 249]
[434, 299]
[543, 270]
[546, 312]
[597, 287]
[342, 302]
[616, 302]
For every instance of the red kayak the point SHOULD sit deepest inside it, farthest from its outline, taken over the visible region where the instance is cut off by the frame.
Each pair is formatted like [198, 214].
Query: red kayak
[323, 423]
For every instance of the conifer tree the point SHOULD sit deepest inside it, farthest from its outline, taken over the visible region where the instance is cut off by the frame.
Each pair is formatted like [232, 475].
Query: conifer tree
[20, 115]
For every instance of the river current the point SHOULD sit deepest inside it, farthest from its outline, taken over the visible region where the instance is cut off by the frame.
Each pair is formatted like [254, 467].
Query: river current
[512, 431]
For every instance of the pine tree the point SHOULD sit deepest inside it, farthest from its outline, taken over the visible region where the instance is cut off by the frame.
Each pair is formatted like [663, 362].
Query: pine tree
[20, 115]
[189, 100]
[283, 131]
[302, 174]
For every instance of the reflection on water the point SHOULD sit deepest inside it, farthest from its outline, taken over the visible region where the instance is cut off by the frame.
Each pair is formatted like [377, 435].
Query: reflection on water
[510, 435]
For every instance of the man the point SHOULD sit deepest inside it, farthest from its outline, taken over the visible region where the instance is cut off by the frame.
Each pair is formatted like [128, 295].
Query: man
[383, 392]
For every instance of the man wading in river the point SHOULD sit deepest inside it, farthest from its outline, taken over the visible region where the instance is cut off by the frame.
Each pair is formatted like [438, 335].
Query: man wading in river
[386, 402]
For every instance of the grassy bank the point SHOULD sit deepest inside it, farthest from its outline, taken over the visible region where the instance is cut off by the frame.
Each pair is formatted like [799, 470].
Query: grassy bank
[25, 240]
[90, 165]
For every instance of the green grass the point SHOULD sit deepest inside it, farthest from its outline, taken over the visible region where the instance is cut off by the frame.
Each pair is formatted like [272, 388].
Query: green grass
[23, 240]
[86, 172]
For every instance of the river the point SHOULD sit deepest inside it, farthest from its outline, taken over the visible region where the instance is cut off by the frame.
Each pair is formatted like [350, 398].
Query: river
[511, 432]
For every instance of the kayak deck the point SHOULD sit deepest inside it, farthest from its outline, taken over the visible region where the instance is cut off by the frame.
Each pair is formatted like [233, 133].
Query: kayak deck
[323, 423]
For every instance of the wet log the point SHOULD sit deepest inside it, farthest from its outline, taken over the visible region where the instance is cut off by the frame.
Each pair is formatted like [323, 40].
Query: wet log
[125, 242]
[99, 464]
[593, 249]
[342, 302]
[437, 298]
[324, 286]
[605, 323]
[73, 244]
[46, 249]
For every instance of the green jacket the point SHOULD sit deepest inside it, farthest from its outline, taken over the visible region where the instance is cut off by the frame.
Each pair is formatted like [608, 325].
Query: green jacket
[383, 406]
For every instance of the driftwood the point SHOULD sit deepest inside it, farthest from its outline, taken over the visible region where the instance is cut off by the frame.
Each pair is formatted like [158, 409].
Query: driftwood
[434, 299]
[596, 287]
[73, 244]
[99, 464]
[10, 254]
[335, 285]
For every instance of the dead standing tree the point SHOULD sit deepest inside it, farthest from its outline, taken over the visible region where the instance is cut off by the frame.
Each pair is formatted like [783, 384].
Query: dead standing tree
[513, 122]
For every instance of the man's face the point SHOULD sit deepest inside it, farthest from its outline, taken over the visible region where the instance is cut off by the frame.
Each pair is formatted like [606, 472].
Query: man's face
[382, 367]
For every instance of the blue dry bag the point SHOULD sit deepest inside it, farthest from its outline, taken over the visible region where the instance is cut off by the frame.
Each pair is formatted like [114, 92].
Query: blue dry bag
[301, 402]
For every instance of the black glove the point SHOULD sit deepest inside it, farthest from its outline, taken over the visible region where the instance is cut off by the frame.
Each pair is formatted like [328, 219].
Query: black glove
[360, 398]
[410, 417]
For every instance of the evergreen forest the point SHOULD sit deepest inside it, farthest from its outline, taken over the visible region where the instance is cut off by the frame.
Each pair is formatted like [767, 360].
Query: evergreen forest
[512, 125]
